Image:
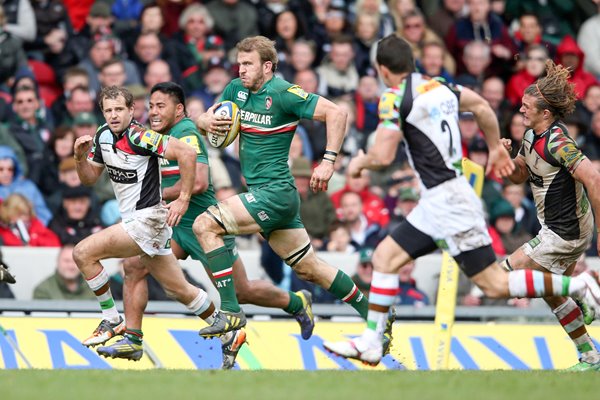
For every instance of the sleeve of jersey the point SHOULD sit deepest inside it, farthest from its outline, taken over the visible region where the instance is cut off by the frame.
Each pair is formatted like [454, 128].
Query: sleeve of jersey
[298, 102]
[389, 111]
[193, 140]
[95, 154]
[564, 150]
[226, 95]
[148, 142]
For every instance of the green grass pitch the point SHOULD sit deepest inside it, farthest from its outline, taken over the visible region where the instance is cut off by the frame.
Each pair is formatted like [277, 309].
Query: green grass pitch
[291, 385]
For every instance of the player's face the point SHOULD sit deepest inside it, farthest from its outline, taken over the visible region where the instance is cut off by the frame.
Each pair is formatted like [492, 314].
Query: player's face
[118, 116]
[163, 112]
[531, 114]
[252, 70]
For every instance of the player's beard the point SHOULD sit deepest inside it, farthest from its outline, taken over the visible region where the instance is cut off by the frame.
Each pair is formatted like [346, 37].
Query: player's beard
[257, 83]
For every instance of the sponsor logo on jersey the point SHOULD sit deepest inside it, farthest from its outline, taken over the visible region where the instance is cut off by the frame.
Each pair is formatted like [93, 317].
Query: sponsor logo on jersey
[241, 95]
[192, 141]
[255, 118]
[386, 106]
[427, 86]
[449, 107]
[262, 215]
[298, 91]
[268, 102]
[250, 198]
[119, 175]
[150, 138]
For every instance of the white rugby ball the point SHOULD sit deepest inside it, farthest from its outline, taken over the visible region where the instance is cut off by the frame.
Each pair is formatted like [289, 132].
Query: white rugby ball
[227, 109]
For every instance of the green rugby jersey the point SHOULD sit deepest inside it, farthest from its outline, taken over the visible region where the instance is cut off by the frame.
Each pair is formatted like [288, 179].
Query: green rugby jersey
[269, 120]
[186, 131]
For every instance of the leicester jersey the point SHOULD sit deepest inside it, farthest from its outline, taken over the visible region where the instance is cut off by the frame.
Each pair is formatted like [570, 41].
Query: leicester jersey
[426, 110]
[131, 160]
[186, 131]
[562, 205]
[268, 123]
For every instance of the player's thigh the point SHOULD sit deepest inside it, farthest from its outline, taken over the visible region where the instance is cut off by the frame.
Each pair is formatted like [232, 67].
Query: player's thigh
[389, 256]
[112, 242]
[229, 216]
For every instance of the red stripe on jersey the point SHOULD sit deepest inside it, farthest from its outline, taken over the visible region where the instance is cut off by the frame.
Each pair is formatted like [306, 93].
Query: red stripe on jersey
[169, 173]
[124, 146]
[260, 132]
[385, 292]
[540, 145]
[529, 283]
[223, 273]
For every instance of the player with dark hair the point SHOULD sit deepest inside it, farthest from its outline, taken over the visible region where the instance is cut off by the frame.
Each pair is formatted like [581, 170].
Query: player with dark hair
[559, 176]
[424, 113]
[130, 153]
[270, 111]
[168, 116]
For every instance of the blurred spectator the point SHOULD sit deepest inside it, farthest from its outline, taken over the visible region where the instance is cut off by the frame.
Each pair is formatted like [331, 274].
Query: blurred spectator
[354, 139]
[530, 34]
[127, 12]
[570, 55]
[157, 71]
[373, 206]
[102, 49]
[516, 131]
[195, 107]
[11, 48]
[364, 270]
[171, 11]
[398, 9]
[20, 227]
[66, 177]
[214, 81]
[8, 139]
[366, 99]
[478, 153]
[13, 181]
[73, 78]
[406, 201]
[588, 39]
[286, 30]
[66, 283]
[591, 147]
[85, 123]
[417, 33]
[234, 20]
[589, 104]
[340, 239]
[446, 15]
[79, 100]
[366, 35]
[76, 219]
[99, 20]
[469, 130]
[316, 209]
[5, 279]
[535, 65]
[332, 23]
[525, 212]
[363, 232]
[577, 130]
[432, 61]
[53, 27]
[484, 26]
[315, 130]
[408, 294]
[20, 19]
[301, 59]
[477, 58]
[148, 47]
[31, 131]
[381, 11]
[338, 73]
[112, 73]
[505, 239]
[493, 91]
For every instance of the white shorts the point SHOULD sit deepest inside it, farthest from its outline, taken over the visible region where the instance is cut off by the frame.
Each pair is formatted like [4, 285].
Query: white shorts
[149, 229]
[553, 252]
[452, 215]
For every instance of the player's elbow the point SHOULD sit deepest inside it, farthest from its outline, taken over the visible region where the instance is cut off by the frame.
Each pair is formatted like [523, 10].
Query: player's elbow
[200, 186]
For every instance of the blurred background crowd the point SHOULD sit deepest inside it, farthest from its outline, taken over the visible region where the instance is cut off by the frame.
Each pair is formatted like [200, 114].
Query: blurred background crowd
[55, 56]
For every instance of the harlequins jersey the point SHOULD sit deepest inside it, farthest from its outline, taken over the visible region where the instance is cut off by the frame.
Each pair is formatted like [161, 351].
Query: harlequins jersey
[131, 160]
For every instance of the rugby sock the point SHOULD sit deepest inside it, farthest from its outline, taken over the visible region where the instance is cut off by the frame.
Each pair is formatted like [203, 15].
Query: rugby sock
[135, 335]
[383, 292]
[570, 317]
[294, 305]
[203, 307]
[220, 264]
[344, 289]
[101, 288]
[530, 283]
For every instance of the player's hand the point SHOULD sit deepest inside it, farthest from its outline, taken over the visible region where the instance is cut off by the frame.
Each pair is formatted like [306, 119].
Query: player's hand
[507, 143]
[356, 164]
[499, 162]
[211, 122]
[177, 208]
[320, 177]
[82, 147]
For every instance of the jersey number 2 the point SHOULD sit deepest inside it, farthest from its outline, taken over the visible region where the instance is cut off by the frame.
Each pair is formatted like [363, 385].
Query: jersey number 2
[446, 125]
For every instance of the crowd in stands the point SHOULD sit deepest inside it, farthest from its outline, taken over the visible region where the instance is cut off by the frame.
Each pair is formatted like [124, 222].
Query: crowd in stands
[57, 54]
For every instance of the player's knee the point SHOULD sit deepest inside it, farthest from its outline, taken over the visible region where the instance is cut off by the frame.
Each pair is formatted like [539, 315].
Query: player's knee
[80, 254]
[134, 269]
[492, 290]
[306, 271]
[203, 225]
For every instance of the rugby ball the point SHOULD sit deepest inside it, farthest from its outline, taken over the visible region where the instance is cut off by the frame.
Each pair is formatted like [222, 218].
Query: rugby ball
[223, 139]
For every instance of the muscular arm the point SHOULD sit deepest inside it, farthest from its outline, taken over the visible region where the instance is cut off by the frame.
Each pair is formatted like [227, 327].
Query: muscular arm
[520, 174]
[589, 176]
[383, 151]
[200, 183]
[335, 121]
[186, 158]
[88, 172]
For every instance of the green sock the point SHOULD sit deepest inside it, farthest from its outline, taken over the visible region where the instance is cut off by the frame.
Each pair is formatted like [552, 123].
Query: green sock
[135, 335]
[344, 289]
[294, 305]
[220, 264]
